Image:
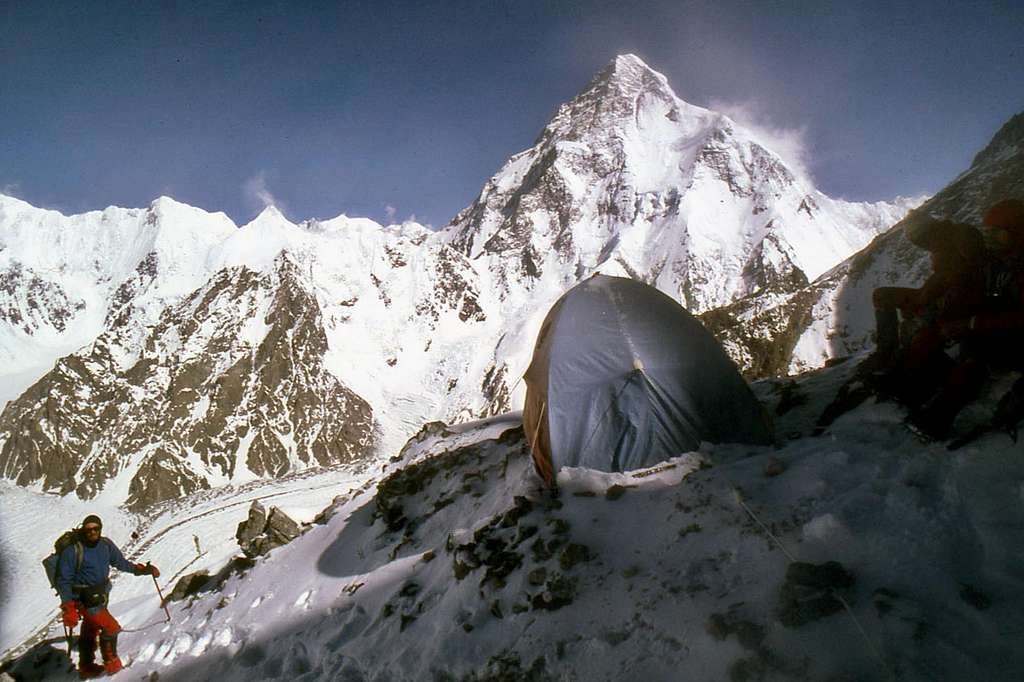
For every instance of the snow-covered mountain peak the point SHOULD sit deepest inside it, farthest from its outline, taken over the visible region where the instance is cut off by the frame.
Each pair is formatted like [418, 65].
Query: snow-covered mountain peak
[10, 205]
[631, 74]
[344, 224]
[257, 243]
[270, 215]
[629, 180]
[164, 203]
[625, 95]
[170, 210]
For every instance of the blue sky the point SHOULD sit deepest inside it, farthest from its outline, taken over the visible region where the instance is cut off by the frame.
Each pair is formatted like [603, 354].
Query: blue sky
[398, 109]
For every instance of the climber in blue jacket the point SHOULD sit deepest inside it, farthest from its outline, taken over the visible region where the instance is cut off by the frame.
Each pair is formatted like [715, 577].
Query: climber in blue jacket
[83, 580]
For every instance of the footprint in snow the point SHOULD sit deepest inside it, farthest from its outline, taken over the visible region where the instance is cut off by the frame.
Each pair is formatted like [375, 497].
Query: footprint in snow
[182, 644]
[303, 600]
[202, 644]
[223, 637]
[162, 651]
[146, 653]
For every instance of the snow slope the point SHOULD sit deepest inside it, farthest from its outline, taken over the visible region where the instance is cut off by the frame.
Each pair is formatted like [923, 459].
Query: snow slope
[457, 567]
[31, 521]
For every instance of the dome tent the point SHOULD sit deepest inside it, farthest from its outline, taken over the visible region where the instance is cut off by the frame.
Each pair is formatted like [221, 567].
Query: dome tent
[623, 377]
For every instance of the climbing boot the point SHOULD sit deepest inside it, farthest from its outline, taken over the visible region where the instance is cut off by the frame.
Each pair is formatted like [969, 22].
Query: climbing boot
[108, 647]
[89, 670]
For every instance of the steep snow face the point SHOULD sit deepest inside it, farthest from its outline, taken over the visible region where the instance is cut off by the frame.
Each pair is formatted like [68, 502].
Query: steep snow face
[628, 179]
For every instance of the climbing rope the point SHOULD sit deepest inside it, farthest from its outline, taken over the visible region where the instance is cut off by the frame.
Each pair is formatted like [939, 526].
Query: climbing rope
[144, 627]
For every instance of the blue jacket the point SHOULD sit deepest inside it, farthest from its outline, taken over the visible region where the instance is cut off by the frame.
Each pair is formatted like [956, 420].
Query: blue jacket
[95, 568]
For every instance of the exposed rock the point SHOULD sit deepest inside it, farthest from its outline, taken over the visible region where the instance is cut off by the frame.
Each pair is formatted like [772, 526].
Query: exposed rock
[812, 592]
[615, 491]
[189, 585]
[328, 512]
[203, 398]
[573, 554]
[259, 534]
[749, 634]
[281, 529]
[559, 591]
[253, 525]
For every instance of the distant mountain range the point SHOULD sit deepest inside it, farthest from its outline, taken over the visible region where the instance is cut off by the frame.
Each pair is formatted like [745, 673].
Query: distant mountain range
[149, 353]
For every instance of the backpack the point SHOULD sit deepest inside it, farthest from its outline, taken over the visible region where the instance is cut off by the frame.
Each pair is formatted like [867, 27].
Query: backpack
[50, 563]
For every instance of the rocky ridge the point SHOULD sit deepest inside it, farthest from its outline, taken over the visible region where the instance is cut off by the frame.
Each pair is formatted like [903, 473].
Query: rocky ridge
[229, 385]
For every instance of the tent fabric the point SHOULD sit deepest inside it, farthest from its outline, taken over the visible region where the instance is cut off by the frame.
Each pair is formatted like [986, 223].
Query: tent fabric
[623, 377]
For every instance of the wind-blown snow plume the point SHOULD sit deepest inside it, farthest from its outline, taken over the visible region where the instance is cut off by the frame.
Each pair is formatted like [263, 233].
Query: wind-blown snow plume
[789, 143]
[257, 191]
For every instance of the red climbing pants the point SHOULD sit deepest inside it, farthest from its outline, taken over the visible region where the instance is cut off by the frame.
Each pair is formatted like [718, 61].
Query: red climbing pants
[98, 623]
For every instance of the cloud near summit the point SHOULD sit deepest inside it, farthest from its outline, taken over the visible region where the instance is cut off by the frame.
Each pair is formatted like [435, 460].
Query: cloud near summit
[258, 194]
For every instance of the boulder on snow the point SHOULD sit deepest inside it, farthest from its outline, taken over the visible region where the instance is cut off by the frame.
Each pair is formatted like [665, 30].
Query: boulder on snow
[328, 512]
[252, 526]
[813, 591]
[201, 581]
[262, 532]
[281, 528]
[188, 585]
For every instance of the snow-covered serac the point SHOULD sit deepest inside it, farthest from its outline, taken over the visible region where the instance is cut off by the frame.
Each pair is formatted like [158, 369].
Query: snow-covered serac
[628, 179]
[196, 352]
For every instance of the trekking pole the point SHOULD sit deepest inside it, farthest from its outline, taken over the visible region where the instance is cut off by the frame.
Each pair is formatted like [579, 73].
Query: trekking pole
[163, 603]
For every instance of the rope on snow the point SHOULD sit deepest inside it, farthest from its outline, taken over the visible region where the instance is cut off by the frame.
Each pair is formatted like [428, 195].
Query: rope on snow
[738, 496]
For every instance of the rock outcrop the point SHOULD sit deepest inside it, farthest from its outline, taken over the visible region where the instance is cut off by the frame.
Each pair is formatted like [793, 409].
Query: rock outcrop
[262, 532]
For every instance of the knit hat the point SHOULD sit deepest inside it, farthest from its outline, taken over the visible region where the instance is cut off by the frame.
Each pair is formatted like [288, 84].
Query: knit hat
[92, 518]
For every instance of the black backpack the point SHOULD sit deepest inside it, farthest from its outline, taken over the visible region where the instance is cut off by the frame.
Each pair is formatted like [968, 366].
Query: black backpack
[50, 563]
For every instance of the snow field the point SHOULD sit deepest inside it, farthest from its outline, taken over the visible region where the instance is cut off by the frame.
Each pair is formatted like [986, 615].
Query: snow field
[665, 553]
[452, 563]
[35, 520]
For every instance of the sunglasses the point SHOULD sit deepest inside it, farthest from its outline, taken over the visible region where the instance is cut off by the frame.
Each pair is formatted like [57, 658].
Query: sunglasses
[91, 529]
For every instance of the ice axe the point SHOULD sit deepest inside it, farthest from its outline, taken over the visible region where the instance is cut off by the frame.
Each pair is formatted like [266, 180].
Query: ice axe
[163, 602]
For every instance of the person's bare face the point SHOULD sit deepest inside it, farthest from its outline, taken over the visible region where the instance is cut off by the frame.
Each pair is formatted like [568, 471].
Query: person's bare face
[92, 531]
